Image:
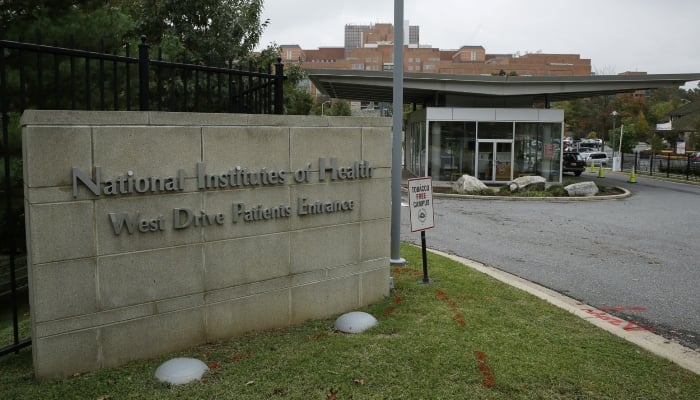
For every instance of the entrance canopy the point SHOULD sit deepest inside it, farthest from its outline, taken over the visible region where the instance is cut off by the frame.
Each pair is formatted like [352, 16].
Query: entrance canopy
[485, 91]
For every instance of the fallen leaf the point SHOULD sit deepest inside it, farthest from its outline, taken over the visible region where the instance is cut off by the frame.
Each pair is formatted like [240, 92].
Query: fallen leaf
[249, 383]
[359, 381]
[332, 395]
[103, 397]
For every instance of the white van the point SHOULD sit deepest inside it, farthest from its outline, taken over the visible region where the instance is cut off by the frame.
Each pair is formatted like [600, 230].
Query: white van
[597, 158]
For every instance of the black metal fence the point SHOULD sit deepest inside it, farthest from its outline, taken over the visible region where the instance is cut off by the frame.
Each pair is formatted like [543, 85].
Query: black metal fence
[668, 165]
[36, 76]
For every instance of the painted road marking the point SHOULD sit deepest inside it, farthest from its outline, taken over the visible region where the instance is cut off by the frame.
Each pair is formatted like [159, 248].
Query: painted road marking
[625, 325]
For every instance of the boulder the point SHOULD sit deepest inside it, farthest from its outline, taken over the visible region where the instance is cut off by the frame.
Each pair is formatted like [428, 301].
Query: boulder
[582, 189]
[532, 182]
[468, 184]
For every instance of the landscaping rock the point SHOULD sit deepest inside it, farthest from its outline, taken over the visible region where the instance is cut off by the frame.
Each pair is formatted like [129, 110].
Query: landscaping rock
[582, 189]
[527, 183]
[467, 184]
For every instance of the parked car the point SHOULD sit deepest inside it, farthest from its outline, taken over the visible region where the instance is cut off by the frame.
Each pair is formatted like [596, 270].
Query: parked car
[592, 142]
[597, 158]
[695, 159]
[641, 146]
[585, 152]
[573, 162]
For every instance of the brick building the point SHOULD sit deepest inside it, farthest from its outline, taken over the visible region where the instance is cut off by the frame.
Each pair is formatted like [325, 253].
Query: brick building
[370, 48]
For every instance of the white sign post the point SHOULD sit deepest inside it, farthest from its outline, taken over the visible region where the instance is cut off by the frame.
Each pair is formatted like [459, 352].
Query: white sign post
[420, 204]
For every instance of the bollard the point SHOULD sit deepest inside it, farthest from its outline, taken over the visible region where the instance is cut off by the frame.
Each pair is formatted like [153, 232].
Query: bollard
[633, 178]
[600, 171]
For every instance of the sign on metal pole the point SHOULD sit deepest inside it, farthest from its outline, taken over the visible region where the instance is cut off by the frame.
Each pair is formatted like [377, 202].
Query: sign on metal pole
[420, 204]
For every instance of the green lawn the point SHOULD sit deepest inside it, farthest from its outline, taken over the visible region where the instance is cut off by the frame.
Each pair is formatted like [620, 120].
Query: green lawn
[464, 336]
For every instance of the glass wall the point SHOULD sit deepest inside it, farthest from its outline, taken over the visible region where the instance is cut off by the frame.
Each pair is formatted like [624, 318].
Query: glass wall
[452, 149]
[414, 148]
[454, 142]
[537, 149]
[527, 148]
[551, 135]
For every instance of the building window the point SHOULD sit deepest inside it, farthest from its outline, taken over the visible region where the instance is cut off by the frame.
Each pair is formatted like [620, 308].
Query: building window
[429, 67]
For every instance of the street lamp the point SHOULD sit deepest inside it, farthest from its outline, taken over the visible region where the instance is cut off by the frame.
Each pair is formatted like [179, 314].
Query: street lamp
[323, 104]
[614, 118]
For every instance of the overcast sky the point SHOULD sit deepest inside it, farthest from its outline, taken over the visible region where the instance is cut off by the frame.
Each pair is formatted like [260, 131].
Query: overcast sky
[654, 36]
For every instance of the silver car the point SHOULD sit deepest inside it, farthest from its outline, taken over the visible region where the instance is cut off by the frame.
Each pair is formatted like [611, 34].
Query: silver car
[597, 158]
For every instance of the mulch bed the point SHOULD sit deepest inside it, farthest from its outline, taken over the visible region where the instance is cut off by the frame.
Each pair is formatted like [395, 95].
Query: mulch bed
[605, 191]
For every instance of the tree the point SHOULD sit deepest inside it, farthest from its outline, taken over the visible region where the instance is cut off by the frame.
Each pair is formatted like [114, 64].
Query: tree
[340, 107]
[199, 31]
[67, 23]
[641, 127]
[656, 142]
[659, 111]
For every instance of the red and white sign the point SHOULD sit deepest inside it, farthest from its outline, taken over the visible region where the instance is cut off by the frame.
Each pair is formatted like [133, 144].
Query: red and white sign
[420, 203]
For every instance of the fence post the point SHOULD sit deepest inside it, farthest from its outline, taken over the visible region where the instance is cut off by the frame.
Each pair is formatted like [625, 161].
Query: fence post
[651, 163]
[279, 87]
[143, 75]
[668, 165]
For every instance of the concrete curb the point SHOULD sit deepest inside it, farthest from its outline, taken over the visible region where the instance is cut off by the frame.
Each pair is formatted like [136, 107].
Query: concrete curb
[626, 194]
[662, 347]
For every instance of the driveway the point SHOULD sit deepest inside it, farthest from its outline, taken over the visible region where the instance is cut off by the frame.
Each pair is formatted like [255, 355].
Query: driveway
[636, 258]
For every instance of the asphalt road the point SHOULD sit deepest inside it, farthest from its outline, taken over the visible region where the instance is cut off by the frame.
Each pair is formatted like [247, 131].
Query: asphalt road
[637, 258]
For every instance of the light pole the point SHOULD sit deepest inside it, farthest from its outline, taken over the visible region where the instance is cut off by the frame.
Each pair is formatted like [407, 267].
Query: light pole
[323, 104]
[614, 118]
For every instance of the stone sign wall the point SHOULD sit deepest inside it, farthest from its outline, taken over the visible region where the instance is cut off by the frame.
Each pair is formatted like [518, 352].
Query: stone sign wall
[151, 232]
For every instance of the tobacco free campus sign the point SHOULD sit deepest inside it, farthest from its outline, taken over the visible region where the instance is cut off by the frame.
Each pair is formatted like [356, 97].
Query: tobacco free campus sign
[420, 202]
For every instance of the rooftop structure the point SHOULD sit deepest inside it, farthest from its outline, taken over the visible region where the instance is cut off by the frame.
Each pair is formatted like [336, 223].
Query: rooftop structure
[485, 91]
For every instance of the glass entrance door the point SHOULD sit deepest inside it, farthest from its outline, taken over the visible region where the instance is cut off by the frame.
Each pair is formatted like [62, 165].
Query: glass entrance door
[495, 160]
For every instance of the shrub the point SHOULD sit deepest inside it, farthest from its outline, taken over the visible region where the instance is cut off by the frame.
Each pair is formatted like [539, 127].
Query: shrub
[557, 191]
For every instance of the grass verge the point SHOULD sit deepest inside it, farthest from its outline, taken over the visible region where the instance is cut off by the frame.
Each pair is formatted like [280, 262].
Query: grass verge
[465, 335]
